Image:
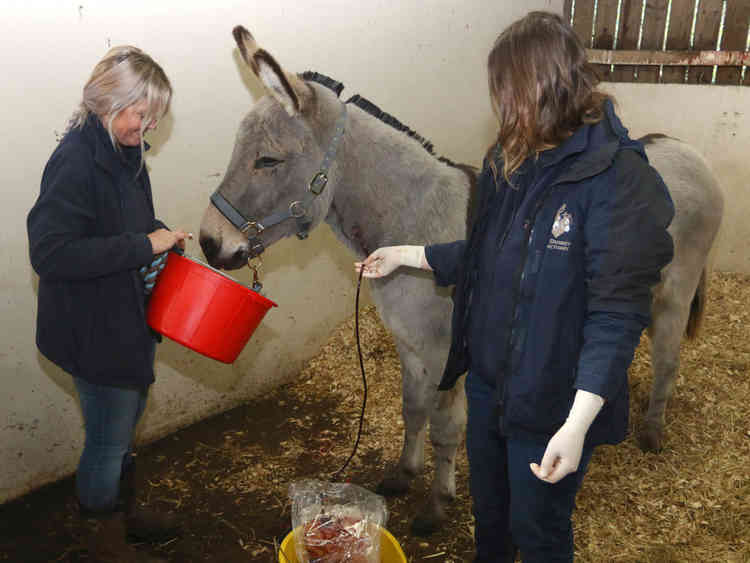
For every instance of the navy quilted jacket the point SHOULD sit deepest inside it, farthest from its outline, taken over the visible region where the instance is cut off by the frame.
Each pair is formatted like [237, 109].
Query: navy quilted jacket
[594, 242]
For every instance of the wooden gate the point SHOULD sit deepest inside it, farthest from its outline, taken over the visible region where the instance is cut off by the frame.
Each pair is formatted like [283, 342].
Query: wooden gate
[671, 41]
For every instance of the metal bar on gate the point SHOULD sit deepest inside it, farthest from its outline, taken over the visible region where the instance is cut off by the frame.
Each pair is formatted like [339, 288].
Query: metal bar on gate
[668, 58]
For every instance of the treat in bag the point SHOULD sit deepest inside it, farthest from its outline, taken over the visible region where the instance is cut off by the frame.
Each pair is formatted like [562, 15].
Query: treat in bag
[336, 522]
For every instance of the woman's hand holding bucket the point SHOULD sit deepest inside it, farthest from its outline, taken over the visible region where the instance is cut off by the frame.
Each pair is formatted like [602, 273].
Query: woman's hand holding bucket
[164, 239]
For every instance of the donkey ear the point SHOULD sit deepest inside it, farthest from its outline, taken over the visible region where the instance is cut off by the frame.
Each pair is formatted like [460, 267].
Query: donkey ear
[289, 90]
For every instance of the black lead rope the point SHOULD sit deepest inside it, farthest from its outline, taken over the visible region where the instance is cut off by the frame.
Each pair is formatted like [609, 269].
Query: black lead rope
[364, 379]
[364, 398]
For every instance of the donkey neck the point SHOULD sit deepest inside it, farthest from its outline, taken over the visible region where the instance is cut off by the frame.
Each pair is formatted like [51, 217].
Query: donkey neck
[390, 190]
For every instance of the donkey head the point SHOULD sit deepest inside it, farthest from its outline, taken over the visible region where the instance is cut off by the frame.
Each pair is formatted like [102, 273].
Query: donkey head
[272, 187]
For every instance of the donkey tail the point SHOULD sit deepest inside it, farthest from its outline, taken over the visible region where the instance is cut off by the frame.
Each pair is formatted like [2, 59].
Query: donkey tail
[697, 308]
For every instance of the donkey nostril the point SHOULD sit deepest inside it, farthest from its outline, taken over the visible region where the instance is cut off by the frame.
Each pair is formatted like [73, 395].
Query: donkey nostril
[239, 256]
[209, 246]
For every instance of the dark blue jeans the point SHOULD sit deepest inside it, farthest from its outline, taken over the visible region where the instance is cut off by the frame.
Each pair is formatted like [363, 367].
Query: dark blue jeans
[512, 508]
[110, 415]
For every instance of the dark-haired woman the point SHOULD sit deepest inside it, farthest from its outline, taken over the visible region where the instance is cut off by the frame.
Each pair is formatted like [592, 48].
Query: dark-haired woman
[552, 288]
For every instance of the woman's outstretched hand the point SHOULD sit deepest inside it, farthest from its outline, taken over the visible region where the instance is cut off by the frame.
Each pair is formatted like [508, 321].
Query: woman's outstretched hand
[387, 258]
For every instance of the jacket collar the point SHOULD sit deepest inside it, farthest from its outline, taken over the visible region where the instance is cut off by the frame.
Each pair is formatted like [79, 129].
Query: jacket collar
[105, 154]
[605, 139]
[574, 144]
[599, 143]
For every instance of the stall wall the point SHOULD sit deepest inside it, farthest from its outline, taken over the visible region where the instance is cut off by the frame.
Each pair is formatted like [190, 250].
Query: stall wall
[422, 61]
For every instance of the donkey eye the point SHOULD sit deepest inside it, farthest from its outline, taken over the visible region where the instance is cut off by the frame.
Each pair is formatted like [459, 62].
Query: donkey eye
[267, 162]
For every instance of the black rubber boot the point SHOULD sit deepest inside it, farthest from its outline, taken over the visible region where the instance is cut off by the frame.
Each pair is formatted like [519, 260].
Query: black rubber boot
[142, 522]
[106, 541]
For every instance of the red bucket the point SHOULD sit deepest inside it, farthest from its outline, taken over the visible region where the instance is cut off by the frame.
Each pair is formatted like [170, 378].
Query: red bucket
[204, 309]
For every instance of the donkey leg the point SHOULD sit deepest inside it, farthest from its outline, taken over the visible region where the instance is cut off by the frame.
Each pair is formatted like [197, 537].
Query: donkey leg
[447, 428]
[417, 399]
[666, 333]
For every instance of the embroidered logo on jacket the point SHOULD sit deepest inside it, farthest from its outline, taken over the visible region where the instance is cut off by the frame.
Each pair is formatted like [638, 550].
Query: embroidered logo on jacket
[562, 225]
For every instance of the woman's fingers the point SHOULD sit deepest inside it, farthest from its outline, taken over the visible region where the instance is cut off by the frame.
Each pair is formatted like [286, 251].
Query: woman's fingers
[370, 265]
[369, 269]
[181, 236]
[164, 239]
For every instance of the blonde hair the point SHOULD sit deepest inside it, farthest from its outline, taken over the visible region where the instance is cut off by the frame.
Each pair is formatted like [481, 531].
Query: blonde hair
[126, 75]
[542, 88]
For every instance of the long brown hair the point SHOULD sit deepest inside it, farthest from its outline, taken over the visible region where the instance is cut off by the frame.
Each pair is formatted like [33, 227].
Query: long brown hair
[542, 88]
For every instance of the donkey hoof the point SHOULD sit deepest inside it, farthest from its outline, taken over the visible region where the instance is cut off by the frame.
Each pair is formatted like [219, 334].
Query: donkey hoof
[650, 439]
[423, 526]
[392, 486]
[432, 516]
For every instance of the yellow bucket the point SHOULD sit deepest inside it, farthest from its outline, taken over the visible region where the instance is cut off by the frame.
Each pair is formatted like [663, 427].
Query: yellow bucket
[390, 550]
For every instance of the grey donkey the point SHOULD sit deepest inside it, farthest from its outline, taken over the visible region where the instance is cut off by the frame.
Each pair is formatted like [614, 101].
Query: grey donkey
[376, 182]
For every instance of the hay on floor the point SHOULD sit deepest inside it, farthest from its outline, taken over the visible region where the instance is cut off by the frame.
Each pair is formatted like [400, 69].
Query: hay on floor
[691, 502]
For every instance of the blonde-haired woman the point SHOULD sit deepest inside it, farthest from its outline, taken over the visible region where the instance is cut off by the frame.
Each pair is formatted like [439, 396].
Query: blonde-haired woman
[552, 288]
[95, 243]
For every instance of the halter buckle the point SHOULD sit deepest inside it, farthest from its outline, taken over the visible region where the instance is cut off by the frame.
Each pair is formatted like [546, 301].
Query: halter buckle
[253, 226]
[297, 210]
[318, 183]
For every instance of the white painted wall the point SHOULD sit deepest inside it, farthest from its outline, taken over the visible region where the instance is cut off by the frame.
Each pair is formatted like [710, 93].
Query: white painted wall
[421, 60]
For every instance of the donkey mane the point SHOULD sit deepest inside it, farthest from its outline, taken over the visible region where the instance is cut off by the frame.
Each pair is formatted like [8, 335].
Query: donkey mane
[328, 82]
[375, 111]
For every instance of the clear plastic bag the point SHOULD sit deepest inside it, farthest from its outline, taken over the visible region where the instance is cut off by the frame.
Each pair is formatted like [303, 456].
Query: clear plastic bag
[336, 522]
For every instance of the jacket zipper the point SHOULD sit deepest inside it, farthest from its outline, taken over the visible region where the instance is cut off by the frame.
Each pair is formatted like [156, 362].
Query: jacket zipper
[520, 275]
[499, 246]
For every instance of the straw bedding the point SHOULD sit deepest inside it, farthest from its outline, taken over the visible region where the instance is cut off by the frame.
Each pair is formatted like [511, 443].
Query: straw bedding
[691, 502]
